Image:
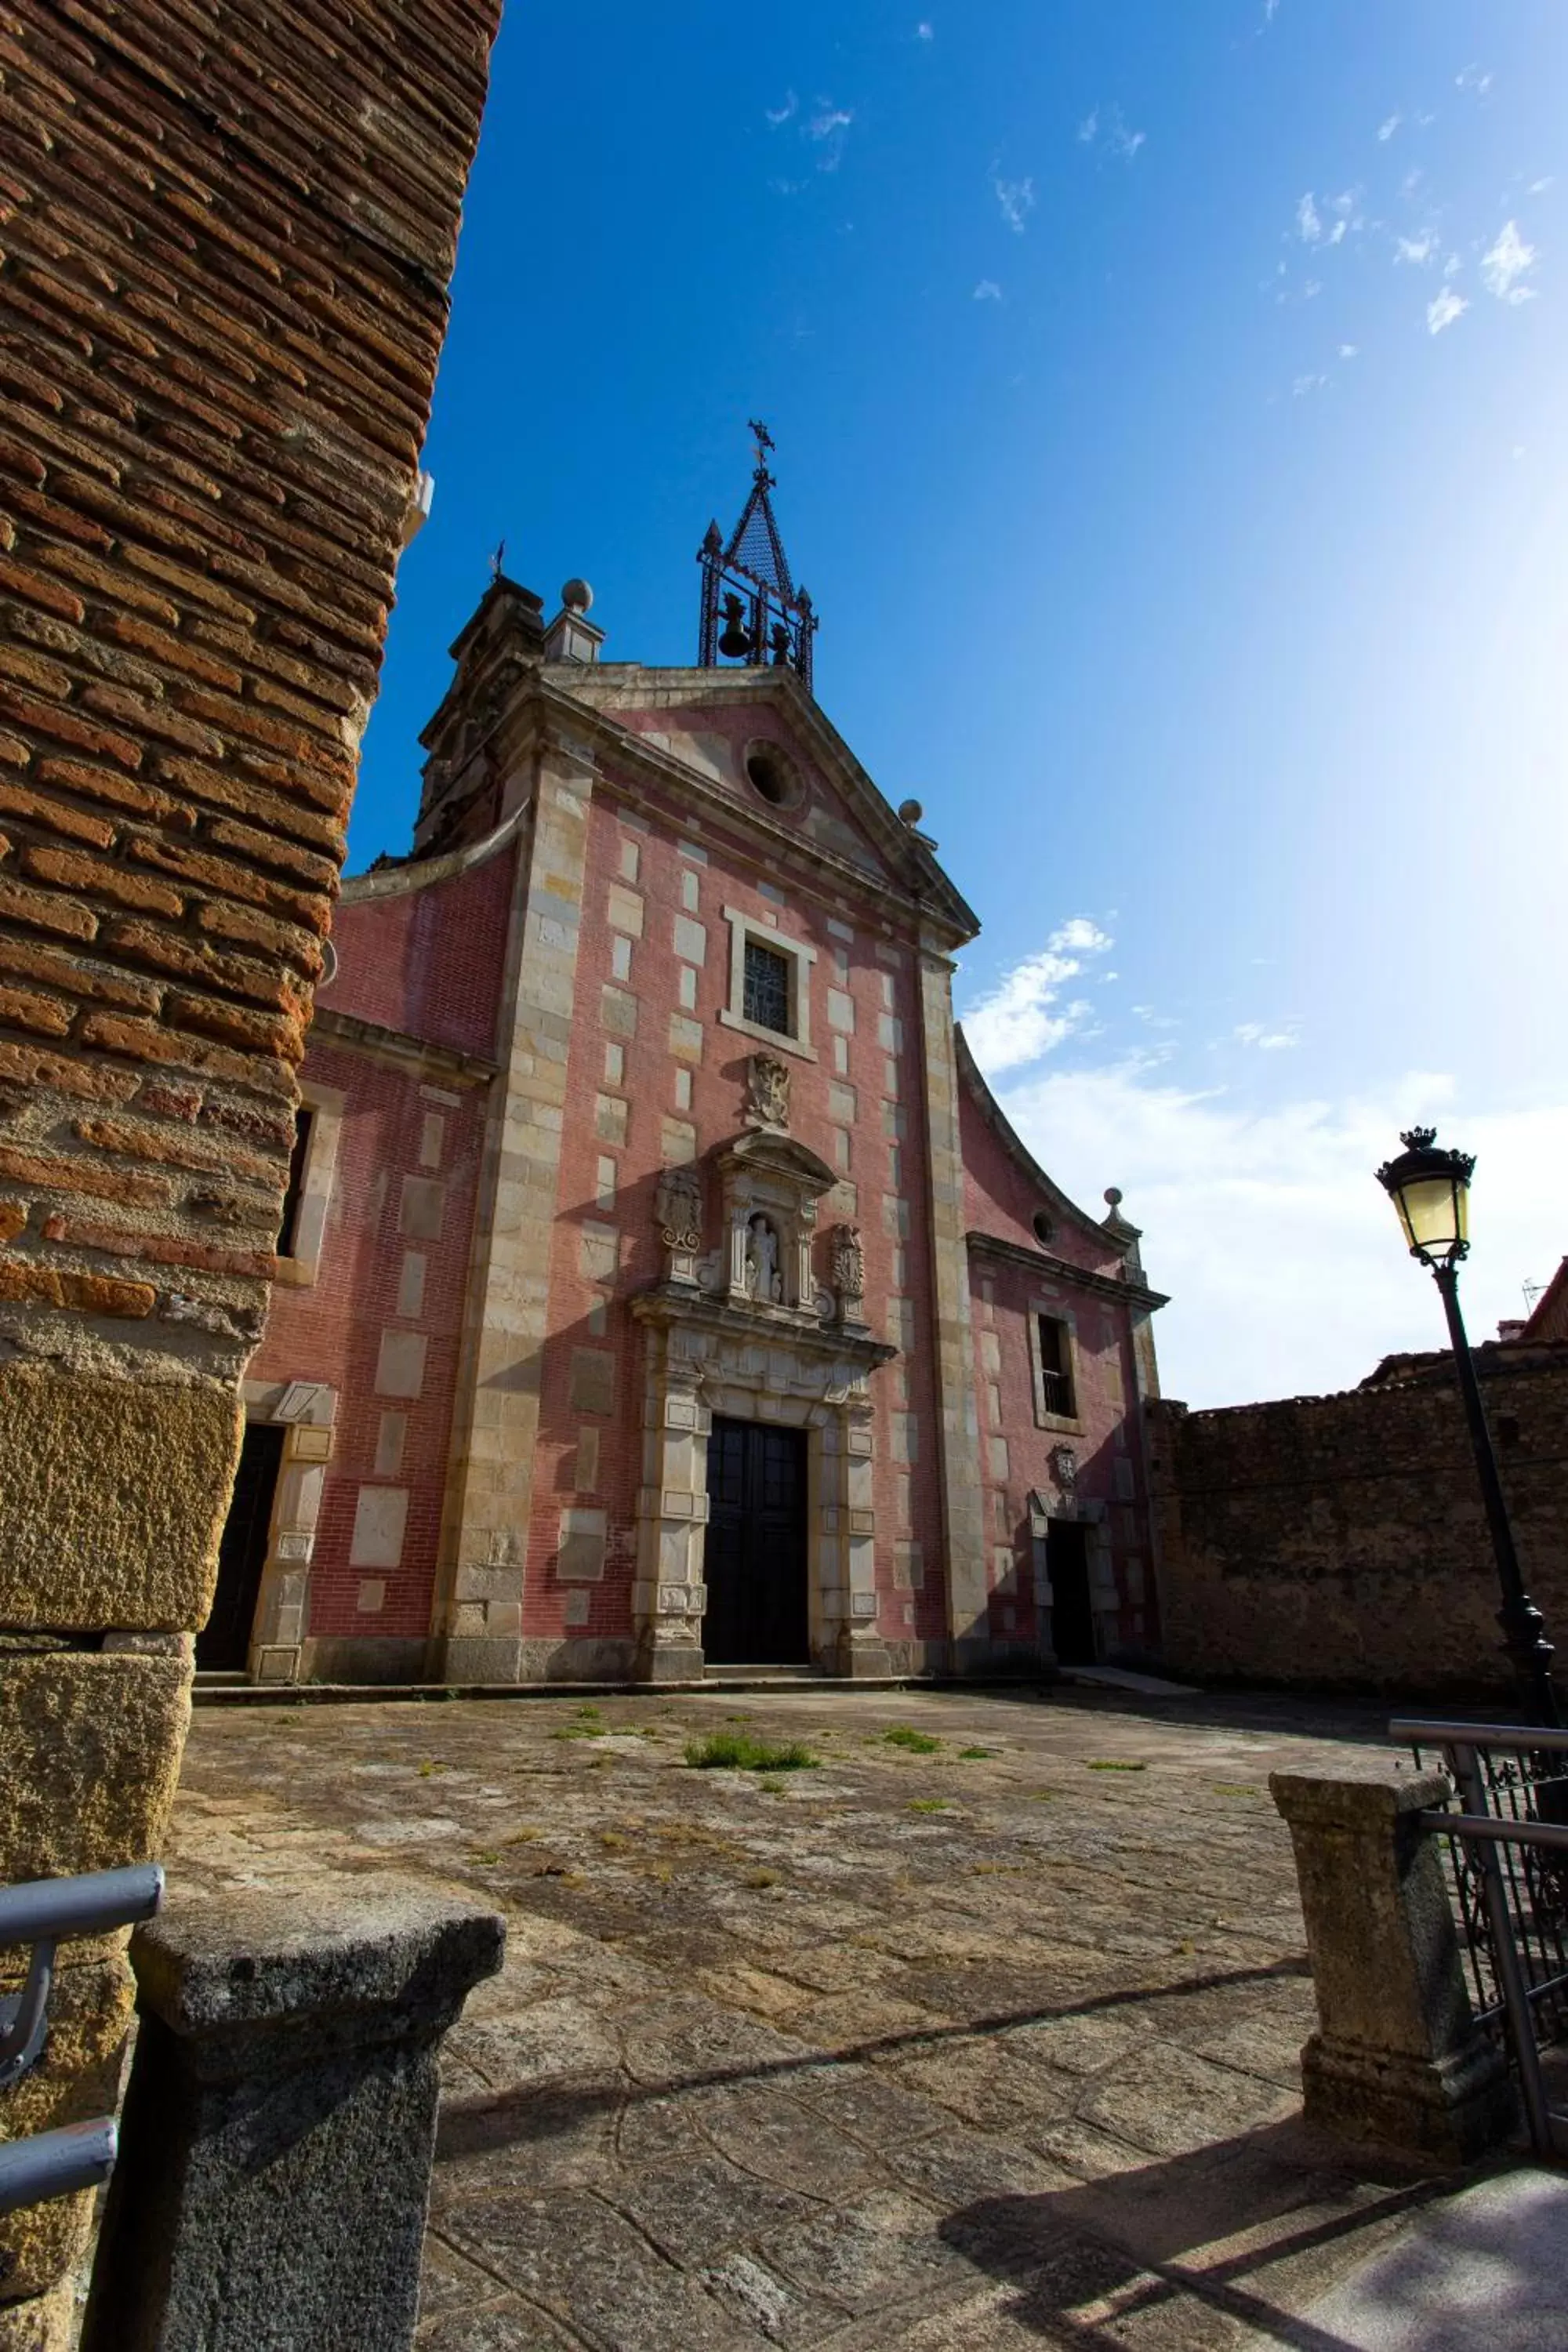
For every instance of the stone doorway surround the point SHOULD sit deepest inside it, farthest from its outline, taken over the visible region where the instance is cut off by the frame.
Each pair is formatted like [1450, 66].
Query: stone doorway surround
[1063, 1503]
[801, 1358]
[307, 1409]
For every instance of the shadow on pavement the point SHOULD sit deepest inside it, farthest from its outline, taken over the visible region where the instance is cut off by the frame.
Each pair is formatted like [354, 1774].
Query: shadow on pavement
[1091, 2263]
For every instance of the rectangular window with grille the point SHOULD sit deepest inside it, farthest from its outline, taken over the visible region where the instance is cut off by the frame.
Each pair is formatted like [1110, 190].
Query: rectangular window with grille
[1056, 1368]
[766, 1000]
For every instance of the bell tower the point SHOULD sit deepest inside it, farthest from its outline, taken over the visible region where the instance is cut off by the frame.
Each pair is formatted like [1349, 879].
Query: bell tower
[752, 609]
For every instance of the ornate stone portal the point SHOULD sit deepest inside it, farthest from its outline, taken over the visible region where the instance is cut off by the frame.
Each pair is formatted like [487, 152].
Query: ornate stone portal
[749, 1333]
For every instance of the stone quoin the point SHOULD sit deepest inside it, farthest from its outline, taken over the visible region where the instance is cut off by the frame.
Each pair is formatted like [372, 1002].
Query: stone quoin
[661, 1286]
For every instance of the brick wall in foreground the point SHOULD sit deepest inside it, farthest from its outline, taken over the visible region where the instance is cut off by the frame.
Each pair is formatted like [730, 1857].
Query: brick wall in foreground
[225, 237]
[1338, 1541]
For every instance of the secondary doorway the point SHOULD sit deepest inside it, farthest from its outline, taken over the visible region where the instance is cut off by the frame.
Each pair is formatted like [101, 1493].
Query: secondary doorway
[754, 1556]
[1072, 1613]
[222, 1646]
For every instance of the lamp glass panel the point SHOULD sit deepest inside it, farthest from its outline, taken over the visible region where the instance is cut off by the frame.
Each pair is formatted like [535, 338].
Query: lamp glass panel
[1432, 1211]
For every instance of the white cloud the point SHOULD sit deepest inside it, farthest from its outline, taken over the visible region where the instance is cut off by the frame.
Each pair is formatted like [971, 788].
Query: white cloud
[1016, 198]
[1539, 187]
[1023, 1017]
[1443, 311]
[827, 127]
[987, 291]
[1453, 266]
[1108, 125]
[1349, 351]
[1309, 221]
[1303, 384]
[779, 115]
[1509, 261]
[1386, 129]
[1416, 249]
[1472, 78]
[1267, 1227]
[924, 32]
[1267, 1040]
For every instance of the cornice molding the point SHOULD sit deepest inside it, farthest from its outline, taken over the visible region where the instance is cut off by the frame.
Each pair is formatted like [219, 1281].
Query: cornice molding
[1061, 1269]
[421, 1056]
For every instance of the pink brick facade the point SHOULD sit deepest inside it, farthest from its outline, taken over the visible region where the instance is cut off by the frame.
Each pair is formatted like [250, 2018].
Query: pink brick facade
[550, 1137]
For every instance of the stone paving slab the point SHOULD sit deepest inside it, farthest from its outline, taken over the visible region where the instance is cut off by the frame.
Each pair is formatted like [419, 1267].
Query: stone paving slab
[979, 2045]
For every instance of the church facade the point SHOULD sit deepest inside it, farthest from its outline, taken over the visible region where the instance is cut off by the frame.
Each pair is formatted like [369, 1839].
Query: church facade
[660, 1288]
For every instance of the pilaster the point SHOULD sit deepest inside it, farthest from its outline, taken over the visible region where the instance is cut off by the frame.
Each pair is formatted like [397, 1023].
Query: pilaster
[964, 1526]
[477, 1625]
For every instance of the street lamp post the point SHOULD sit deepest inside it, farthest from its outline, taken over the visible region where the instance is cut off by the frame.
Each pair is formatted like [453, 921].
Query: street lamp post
[1430, 1189]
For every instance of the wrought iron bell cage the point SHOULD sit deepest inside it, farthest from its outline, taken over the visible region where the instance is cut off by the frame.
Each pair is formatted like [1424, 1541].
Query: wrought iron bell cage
[752, 612]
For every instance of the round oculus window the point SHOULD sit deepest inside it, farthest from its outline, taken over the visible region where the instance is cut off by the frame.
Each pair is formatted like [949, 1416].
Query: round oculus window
[1045, 1231]
[772, 776]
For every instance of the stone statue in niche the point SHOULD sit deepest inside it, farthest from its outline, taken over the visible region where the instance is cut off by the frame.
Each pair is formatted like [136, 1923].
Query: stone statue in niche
[678, 1207]
[762, 1282]
[1064, 1470]
[767, 1092]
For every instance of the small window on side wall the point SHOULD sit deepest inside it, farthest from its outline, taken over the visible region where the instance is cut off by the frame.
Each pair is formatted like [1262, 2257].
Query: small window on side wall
[289, 1222]
[312, 1163]
[1054, 1340]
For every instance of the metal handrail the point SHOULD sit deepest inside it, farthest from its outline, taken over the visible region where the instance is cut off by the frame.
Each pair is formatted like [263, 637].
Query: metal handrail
[1496, 1829]
[43, 1912]
[57, 2163]
[1521, 1738]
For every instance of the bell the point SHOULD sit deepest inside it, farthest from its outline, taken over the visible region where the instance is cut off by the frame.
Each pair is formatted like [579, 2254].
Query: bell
[736, 641]
[780, 641]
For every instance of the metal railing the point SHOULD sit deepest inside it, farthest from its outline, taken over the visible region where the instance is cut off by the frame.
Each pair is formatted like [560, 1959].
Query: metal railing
[41, 1914]
[1506, 1838]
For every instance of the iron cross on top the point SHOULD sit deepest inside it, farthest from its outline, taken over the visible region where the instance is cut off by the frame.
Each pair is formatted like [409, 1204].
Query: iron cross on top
[764, 439]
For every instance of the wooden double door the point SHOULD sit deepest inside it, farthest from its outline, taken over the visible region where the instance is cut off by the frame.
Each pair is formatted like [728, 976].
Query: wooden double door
[755, 1555]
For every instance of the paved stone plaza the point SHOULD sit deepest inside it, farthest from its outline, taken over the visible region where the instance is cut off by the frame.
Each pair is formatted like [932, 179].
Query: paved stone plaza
[989, 2046]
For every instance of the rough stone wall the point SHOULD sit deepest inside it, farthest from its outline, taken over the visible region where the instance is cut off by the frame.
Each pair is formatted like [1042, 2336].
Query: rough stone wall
[228, 234]
[1339, 1541]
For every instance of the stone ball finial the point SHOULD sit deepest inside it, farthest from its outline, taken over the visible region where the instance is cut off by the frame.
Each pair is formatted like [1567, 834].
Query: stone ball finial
[1113, 1195]
[577, 596]
[911, 812]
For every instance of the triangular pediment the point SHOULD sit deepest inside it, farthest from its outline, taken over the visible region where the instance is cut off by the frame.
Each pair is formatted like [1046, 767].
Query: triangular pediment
[717, 721]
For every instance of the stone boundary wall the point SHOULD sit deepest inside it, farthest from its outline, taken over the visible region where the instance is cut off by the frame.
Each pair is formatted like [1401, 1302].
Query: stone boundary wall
[1338, 1541]
[228, 231]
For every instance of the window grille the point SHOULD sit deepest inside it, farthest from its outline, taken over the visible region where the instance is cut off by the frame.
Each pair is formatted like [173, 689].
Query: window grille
[766, 997]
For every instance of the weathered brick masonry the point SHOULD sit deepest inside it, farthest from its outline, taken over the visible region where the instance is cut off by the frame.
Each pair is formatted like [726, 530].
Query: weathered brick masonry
[227, 237]
[1340, 1540]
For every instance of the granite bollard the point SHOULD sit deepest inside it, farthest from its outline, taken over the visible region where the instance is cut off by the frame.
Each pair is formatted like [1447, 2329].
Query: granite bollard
[1398, 2058]
[280, 2125]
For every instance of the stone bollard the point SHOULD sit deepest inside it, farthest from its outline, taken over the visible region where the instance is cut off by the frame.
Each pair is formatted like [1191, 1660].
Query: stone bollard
[1397, 2057]
[278, 2129]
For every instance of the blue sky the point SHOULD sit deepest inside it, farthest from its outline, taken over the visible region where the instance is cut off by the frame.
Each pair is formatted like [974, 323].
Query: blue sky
[1169, 405]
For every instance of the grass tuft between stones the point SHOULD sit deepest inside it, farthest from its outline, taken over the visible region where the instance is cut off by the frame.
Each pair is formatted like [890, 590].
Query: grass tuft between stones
[904, 1735]
[737, 1752]
[1114, 1764]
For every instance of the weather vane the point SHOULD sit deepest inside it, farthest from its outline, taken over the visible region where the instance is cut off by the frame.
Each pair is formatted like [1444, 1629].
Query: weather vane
[496, 559]
[764, 441]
